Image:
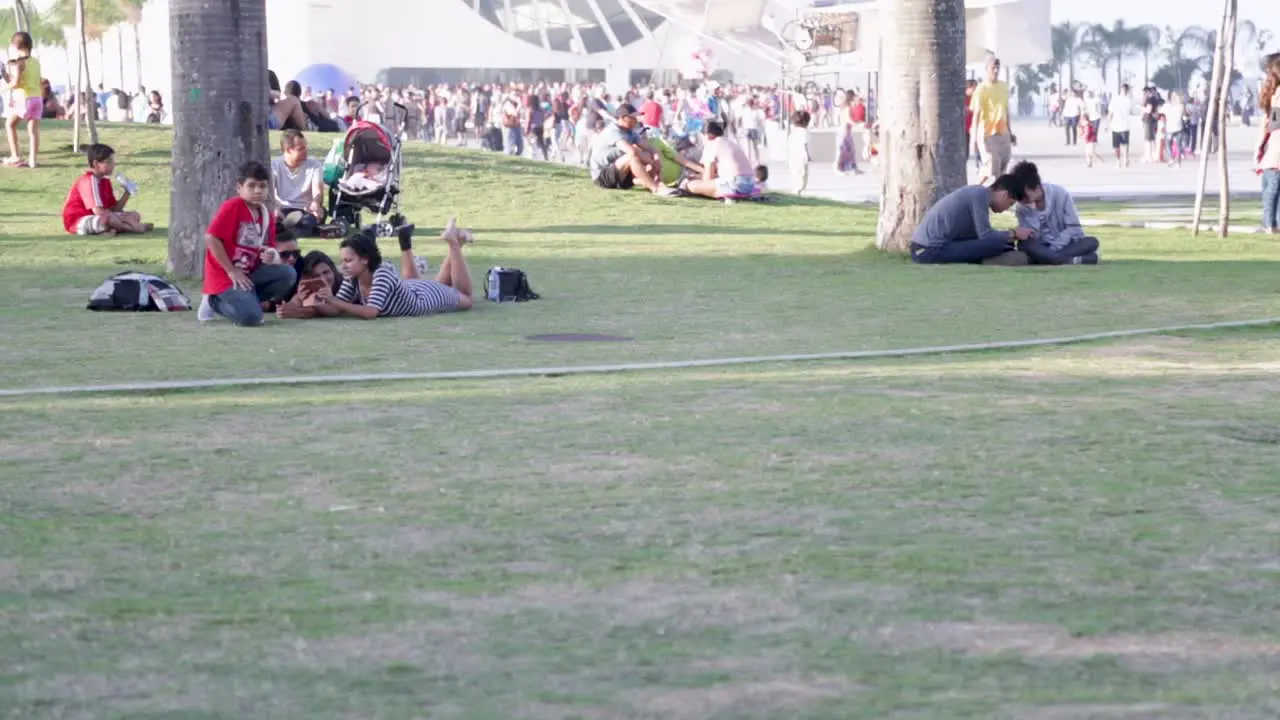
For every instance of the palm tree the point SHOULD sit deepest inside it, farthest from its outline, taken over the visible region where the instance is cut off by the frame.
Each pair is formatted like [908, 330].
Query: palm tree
[1027, 82]
[220, 72]
[1252, 43]
[922, 121]
[44, 30]
[1066, 39]
[133, 16]
[1146, 40]
[1095, 53]
[1182, 57]
[1117, 42]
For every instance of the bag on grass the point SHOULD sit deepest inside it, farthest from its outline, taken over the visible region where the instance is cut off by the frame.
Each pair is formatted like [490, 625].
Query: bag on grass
[508, 285]
[133, 291]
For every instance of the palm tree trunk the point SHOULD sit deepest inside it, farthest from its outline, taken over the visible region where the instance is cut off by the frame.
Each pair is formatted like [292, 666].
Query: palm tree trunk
[20, 19]
[219, 123]
[79, 106]
[1224, 182]
[1212, 114]
[137, 51]
[92, 104]
[922, 136]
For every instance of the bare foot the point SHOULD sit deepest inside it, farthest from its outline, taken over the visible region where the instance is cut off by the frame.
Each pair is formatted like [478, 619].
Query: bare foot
[107, 234]
[450, 234]
[148, 227]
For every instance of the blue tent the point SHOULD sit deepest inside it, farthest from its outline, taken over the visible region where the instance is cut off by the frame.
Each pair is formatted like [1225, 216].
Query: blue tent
[327, 77]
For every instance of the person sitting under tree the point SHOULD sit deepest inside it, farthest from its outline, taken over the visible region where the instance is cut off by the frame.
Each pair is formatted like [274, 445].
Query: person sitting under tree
[1050, 214]
[242, 267]
[957, 229]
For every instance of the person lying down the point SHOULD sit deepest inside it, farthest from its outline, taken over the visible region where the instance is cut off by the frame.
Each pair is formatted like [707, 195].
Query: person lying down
[372, 288]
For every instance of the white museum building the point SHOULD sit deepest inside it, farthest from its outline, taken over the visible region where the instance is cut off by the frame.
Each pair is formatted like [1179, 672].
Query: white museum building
[618, 42]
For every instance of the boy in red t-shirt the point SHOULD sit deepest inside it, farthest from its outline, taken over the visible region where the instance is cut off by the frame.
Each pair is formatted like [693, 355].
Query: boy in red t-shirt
[91, 207]
[242, 268]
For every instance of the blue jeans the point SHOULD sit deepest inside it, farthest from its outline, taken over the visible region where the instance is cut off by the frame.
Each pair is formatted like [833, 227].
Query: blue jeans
[244, 307]
[1271, 199]
[963, 251]
[515, 141]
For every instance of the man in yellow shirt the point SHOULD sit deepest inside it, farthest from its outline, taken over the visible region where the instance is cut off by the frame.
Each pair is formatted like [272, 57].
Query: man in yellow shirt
[26, 101]
[990, 130]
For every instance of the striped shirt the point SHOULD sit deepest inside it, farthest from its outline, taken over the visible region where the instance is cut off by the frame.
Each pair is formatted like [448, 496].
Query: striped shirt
[394, 296]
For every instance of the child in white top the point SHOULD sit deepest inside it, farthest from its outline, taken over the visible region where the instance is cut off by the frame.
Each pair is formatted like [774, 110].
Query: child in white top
[798, 157]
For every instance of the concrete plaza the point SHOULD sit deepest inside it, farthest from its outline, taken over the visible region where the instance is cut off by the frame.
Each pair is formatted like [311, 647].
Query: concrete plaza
[1059, 164]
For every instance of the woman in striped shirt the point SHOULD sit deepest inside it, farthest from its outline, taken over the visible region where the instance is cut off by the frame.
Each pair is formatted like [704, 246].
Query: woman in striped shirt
[371, 288]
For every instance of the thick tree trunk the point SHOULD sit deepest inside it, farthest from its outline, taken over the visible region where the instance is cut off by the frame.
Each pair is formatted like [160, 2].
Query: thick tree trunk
[922, 114]
[219, 106]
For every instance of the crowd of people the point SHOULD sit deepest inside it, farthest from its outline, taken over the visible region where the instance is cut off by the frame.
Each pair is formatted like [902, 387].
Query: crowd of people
[704, 140]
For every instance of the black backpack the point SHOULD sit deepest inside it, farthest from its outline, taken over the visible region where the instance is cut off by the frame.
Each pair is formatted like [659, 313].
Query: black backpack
[133, 291]
[508, 285]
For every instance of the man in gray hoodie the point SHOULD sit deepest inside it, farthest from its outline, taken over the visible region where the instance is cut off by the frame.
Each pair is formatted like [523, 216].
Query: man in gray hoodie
[957, 229]
[1049, 213]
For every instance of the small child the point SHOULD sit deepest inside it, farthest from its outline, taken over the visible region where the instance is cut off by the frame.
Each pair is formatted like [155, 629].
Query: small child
[91, 207]
[798, 157]
[762, 178]
[242, 268]
[26, 101]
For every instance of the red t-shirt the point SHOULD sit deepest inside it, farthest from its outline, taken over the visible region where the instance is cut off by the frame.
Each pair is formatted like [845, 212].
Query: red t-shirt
[651, 113]
[87, 192]
[858, 112]
[243, 233]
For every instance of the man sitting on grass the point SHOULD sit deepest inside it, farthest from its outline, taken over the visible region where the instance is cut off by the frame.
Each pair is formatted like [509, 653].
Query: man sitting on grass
[957, 229]
[91, 207]
[242, 268]
[298, 181]
[727, 171]
[618, 159]
[1050, 214]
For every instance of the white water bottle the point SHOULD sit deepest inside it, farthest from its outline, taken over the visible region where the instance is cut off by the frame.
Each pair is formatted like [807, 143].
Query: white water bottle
[128, 184]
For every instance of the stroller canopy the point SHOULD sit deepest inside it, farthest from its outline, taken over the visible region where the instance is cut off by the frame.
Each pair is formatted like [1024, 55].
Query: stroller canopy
[368, 143]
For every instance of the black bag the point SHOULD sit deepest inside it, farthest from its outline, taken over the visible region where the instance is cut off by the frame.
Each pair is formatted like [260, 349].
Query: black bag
[492, 140]
[133, 291]
[508, 285]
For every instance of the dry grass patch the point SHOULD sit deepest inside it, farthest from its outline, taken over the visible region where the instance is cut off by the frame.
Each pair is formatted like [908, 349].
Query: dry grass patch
[777, 697]
[1048, 642]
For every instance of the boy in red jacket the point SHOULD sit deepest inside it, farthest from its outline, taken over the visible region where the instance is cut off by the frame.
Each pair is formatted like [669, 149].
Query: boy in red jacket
[91, 207]
[242, 268]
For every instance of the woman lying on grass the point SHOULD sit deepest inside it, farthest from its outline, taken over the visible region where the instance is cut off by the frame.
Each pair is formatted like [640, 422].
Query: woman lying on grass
[371, 288]
[319, 278]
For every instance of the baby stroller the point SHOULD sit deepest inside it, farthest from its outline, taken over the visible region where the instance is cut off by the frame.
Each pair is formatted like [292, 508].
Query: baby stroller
[365, 175]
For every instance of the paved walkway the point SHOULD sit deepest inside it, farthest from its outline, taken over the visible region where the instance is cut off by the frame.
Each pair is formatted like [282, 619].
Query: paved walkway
[1065, 166]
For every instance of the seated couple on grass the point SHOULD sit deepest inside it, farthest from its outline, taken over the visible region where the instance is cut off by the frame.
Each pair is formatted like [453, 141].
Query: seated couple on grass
[245, 273]
[957, 229]
[91, 207]
[621, 157]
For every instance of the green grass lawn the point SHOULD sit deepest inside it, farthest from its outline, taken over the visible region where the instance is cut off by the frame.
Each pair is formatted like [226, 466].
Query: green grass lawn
[1070, 533]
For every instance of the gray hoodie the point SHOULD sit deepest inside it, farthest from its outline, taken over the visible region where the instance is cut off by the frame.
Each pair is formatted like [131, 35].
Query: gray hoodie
[1058, 223]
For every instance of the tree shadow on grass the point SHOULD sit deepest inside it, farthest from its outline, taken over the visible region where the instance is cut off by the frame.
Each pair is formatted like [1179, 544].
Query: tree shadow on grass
[656, 229]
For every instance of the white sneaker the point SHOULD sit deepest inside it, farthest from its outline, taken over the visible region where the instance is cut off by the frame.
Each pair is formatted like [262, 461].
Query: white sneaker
[205, 312]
